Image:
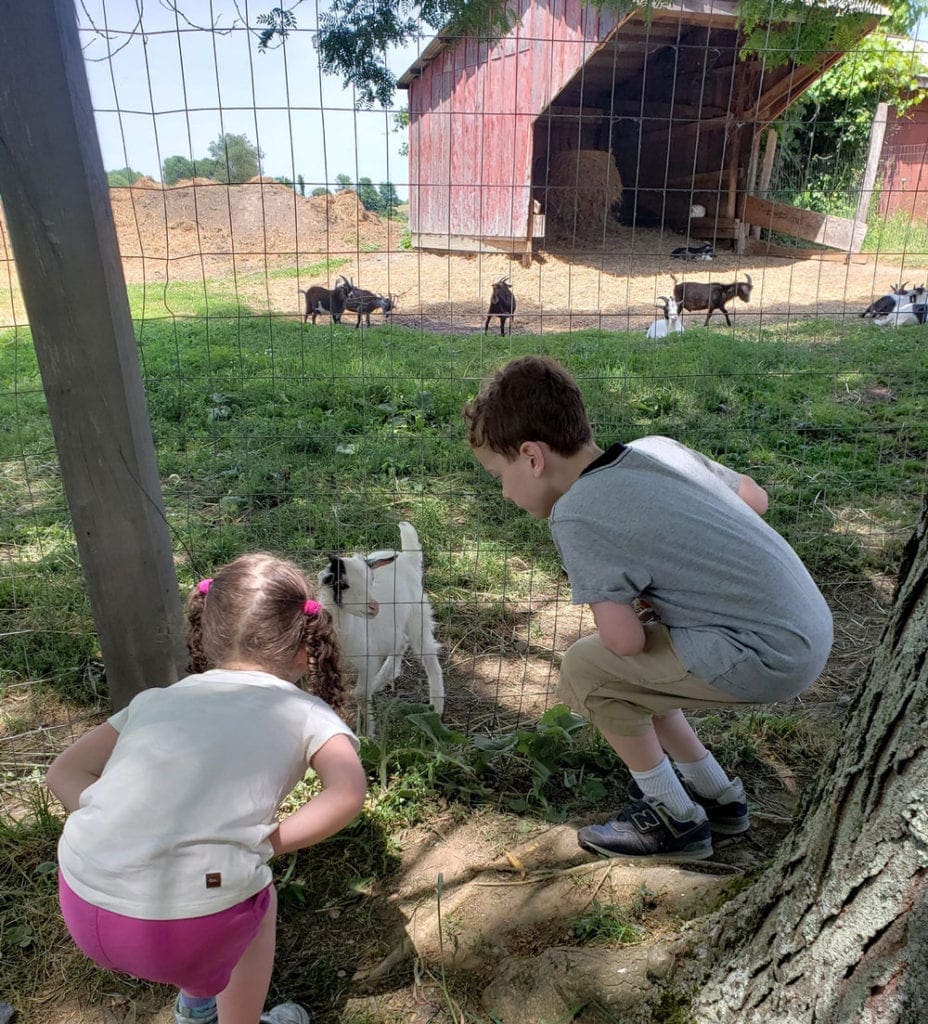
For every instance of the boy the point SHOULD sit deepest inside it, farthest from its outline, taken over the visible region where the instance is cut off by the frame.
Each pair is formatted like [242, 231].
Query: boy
[738, 618]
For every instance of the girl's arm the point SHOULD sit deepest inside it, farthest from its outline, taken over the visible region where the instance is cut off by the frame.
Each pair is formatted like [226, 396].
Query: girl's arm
[343, 790]
[78, 767]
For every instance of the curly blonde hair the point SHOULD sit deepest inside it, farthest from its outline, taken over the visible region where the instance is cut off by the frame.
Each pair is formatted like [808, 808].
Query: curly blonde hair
[253, 610]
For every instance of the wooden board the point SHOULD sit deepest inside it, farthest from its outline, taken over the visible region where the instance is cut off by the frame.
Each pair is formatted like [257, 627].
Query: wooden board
[837, 232]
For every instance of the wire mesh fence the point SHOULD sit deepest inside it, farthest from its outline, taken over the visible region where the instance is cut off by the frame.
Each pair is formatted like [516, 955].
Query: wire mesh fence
[572, 157]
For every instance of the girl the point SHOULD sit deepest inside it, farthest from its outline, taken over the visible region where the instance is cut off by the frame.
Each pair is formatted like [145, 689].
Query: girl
[163, 869]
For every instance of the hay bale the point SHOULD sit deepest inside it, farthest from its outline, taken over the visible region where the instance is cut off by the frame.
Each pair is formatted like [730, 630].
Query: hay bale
[583, 189]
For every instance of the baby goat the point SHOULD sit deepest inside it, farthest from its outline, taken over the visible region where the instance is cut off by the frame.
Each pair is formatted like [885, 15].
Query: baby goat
[693, 295]
[380, 608]
[325, 300]
[502, 304]
[364, 303]
[671, 322]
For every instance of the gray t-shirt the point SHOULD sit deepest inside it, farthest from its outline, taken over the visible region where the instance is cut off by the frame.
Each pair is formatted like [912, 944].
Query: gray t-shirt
[656, 520]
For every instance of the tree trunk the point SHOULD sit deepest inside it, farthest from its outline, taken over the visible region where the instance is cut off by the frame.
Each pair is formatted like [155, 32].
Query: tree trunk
[836, 932]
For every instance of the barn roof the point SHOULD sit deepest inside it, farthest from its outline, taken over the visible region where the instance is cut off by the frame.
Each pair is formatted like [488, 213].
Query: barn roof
[662, 29]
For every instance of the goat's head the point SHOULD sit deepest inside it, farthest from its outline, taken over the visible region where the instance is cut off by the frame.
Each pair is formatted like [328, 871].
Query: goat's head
[387, 305]
[346, 287]
[899, 289]
[501, 287]
[349, 574]
[743, 289]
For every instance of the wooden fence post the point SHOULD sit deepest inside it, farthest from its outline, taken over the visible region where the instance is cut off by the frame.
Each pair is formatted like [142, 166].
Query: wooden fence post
[63, 237]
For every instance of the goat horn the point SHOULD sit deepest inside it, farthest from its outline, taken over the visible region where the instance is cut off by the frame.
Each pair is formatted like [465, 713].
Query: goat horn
[748, 276]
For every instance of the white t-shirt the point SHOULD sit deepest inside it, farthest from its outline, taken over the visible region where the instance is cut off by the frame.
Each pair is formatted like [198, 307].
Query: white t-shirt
[178, 823]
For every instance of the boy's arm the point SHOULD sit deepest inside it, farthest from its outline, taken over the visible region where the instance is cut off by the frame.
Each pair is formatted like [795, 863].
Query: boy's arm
[750, 492]
[78, 767]
[619, 627]
[344, 787]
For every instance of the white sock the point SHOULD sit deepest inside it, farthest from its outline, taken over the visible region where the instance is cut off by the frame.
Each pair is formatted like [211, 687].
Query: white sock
[661, 784]
[706, 776]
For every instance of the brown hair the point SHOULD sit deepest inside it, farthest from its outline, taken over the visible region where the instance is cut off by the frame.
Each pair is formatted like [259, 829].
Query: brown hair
[254, 612]
[530, 399]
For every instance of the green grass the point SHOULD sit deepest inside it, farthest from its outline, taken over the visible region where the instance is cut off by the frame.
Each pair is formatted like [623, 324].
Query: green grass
[273, 434]
[897, 235]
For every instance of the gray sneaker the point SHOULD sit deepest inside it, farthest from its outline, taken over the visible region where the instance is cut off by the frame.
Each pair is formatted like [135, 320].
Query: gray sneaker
[286, 1013]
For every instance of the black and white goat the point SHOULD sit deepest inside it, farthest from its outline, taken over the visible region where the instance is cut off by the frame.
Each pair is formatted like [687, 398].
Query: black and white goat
[694, 253]
[695, 295]
[380, 608]
[331, 301]
[898, 296]
[906, 314]
[363, 302]
[502, 304]
[670, 323]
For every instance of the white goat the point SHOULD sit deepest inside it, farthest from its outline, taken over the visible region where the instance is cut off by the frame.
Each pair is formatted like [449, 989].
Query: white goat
[380, 608]
[670, 322]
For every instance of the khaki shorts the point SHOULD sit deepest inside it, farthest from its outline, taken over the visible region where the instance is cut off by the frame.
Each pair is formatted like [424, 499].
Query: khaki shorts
[621, 694]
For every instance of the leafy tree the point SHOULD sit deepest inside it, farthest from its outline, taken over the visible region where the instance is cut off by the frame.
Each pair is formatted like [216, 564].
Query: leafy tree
[301, 184]
[389, 198]
[401, 124]
[354, 35]
[320, 190]
[368, 194]
[123, 178]
[237, 160]
[343, 182]
[176, 168]
[824, 135]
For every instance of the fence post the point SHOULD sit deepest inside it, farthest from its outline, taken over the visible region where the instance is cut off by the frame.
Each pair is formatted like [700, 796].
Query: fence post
[873, 162]
[63, 237]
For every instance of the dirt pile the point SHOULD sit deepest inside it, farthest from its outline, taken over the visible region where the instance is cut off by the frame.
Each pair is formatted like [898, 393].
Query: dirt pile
[198, 226]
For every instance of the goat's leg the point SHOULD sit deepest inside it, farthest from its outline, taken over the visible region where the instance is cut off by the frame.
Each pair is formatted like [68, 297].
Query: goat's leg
[502, 326]
[727, 317]
[708, 316]
[420, 632]
[486, 326]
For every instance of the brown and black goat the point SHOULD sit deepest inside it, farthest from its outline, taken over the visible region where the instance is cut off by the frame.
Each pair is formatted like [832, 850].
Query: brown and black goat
[695, 295]
[327, 300]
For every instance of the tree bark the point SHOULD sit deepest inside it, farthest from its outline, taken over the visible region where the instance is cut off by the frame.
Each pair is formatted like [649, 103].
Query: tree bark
[836, 931]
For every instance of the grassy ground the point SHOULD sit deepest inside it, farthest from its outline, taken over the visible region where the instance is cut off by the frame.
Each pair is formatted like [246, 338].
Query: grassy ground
[273, 435]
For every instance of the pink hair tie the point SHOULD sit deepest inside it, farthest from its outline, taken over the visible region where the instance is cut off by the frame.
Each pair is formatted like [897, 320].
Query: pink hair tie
[312, 607]
[204, 585]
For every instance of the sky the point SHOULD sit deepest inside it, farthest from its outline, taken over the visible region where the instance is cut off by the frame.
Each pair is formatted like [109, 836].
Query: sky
[161, 86]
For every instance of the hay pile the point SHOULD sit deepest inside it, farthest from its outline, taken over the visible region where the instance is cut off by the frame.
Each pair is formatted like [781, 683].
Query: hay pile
[584, 187]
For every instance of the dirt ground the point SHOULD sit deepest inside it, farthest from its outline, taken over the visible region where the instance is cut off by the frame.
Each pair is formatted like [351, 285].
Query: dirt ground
[511, 886]
[200, 229]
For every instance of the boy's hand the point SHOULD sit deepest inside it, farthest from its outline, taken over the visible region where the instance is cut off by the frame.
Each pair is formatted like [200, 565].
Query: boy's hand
[751, 493]
[619, 627]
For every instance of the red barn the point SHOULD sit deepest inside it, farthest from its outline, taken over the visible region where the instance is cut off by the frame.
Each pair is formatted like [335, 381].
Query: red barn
[581, 114]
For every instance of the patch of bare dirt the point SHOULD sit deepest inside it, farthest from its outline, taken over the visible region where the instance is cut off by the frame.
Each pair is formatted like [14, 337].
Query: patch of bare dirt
[201, 229]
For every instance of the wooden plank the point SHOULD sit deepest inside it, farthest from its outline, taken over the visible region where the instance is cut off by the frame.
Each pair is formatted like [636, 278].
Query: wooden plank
[756, 247]
[766, 170]
[873, 159]
[838, 232]
[64, 241]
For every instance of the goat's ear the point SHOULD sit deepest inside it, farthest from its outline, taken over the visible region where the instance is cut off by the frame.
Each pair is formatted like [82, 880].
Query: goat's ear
[379, 563]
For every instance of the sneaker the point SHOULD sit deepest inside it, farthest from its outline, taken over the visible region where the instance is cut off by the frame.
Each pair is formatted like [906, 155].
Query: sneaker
[646, 829]
[727, 813]
[200, 1015]
[286, 1013]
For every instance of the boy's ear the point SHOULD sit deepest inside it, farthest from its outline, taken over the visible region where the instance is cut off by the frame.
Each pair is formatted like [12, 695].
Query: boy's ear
[536, 453]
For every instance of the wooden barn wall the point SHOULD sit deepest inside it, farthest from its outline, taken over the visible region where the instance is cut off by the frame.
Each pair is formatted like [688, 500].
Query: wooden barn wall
[903, 170]
[472, 113]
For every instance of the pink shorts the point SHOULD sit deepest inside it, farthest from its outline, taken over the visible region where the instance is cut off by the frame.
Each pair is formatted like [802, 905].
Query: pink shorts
[196, 954]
